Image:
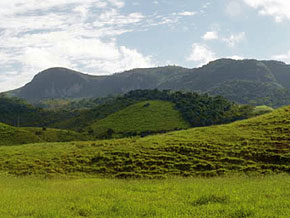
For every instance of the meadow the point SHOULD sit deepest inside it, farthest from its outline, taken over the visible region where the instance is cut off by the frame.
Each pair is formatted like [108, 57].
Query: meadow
[255, 146]
[10, 135]
[234, 170]
[231, 197]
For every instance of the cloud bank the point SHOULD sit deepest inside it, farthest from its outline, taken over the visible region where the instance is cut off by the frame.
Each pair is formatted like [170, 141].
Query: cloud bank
[78, 34]
[279, 9]
[201, 54]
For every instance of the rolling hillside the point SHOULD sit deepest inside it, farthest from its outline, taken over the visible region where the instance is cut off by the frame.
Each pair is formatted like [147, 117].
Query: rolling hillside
[143, 117]
[56, 135]
[12, 136]
[259, 145]
[23, 135]
[113, 119]
[243, 81]
[84, 116]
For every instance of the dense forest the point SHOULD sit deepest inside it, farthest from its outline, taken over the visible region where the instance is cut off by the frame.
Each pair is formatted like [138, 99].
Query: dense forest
[197, 109]
[17, 112]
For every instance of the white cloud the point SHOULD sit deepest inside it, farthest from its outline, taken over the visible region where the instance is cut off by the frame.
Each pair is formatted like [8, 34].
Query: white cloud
[282, 57]
[206, 5]
[78, 34]
[234, 8]
[236, 57]
[8, 82]
[187, 13]
[117, 3]
[234, 39]
[211, 35]
[113, 17]
[279, 9]
[201, 54]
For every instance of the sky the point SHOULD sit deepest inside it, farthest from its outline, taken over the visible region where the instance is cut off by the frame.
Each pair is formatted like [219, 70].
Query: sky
[101, 37]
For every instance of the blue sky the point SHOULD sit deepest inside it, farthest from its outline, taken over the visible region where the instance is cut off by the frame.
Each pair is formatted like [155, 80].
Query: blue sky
[108, 36]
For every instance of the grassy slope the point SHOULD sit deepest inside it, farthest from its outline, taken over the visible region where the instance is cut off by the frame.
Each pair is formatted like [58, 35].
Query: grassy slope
[233, 197]
[56, 135]
[144, 116]
[262, 109]
[13, 136]
[257, 145]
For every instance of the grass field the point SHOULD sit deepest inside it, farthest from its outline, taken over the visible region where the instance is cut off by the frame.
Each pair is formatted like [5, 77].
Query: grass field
[144, 116]
[10, 135]
[56, 135]
[259, 145]
[245, 167]
[231, 197]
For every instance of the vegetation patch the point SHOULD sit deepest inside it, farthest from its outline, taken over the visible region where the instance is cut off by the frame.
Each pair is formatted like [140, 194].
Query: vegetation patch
[242, 213]
[256, 146]
[143, 117]
[23, 135]
[211, 199]
[195, 109]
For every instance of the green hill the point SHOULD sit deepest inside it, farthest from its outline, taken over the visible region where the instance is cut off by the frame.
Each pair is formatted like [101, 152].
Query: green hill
[11, 135]
[23, 135]
[195, 109]
[256, 146]
[142, 117]
[56, 135]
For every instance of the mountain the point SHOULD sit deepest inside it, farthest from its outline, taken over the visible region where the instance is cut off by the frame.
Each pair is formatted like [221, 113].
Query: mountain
[244, 81]
[255, 146]
[57, 83]
[65, 83]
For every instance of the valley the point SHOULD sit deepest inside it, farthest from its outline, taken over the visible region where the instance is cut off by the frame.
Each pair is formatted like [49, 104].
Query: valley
[191, 154]
[145, 109]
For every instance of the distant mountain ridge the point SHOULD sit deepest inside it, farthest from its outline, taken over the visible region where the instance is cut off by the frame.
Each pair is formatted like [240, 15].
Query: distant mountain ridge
[244, 81]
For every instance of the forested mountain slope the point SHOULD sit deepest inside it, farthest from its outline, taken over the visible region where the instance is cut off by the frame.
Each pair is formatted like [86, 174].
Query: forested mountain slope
[244, 81]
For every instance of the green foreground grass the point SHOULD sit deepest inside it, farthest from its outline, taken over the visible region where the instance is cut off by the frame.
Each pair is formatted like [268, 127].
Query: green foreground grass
[231, 197]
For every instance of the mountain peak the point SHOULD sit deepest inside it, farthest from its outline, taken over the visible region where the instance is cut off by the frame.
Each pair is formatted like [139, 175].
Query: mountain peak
[58, 71]
[56, 82]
